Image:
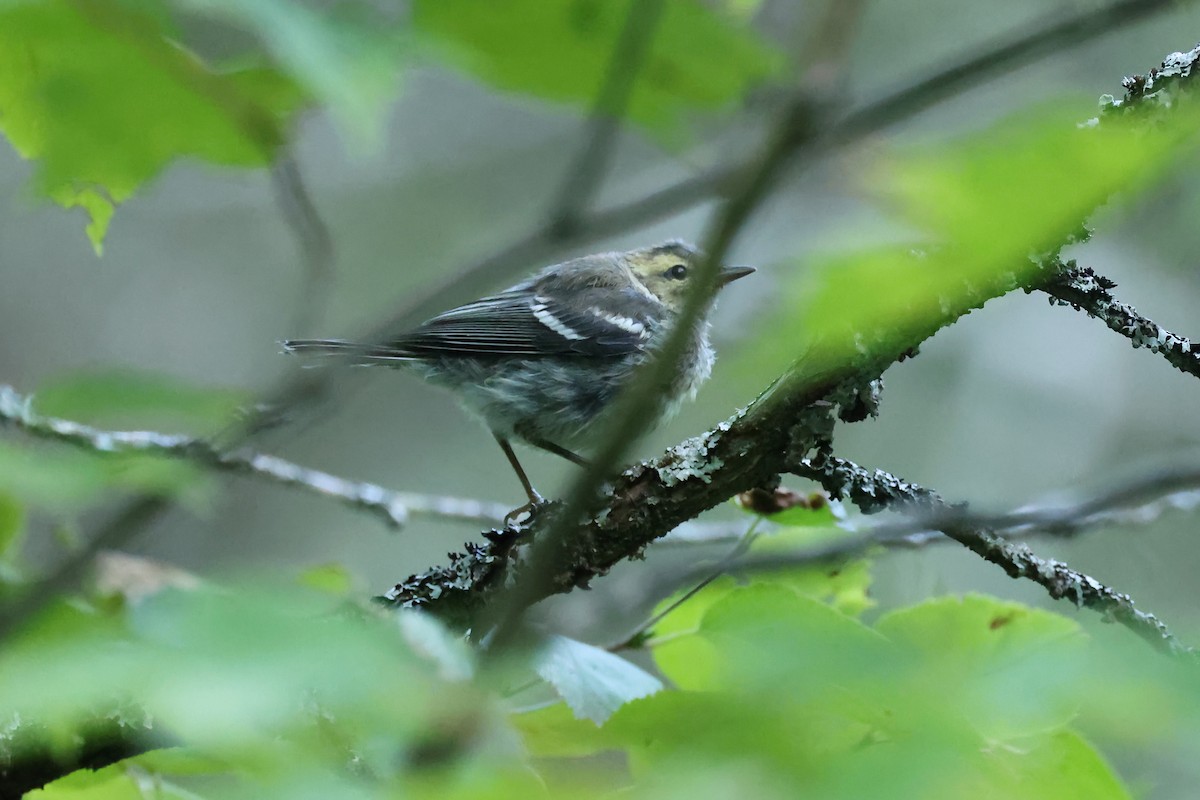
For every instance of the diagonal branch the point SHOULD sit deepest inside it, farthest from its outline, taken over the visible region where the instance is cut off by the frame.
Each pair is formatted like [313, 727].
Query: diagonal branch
[875, 490]
[1082, 289]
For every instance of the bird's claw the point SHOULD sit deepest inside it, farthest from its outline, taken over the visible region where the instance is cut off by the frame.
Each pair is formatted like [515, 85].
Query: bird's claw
[514, 519]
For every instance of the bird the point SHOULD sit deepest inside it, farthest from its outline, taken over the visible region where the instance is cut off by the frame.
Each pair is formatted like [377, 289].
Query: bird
[542, 361]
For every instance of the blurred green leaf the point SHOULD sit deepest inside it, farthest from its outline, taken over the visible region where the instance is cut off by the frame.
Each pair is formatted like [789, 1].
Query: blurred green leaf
[802, 636]
[843, 586]
[131, 778]
[559, 50]
[688, 660]
[1009, 665]
[593, 682]
[226, 670]
[555, 731]
[12, 525]
[1062, 766]
[333, 579]
[126, 399]
[981, 208]
[53, 479]
[101, 97]
[64, 481]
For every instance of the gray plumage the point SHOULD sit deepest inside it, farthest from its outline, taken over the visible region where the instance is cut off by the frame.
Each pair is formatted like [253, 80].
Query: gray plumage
[544, 359]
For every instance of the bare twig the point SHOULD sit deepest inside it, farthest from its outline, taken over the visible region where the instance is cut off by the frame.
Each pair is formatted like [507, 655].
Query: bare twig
[314, 243]
[1141, 500]
[713, 572]
[394, 508]
[873, 490]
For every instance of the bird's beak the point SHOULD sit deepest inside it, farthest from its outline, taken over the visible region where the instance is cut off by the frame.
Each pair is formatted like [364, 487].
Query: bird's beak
[728, 275]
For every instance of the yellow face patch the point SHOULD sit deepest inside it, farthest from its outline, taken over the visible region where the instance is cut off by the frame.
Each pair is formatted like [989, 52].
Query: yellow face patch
[665, 271]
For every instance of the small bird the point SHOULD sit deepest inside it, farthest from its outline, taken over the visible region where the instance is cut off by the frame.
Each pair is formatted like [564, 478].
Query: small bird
[541, 361]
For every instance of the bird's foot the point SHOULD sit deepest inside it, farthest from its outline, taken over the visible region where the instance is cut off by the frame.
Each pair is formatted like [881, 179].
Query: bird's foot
[523, 515]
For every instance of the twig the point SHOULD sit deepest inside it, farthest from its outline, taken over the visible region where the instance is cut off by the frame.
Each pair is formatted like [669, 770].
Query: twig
[314, 243]
[713, 572]
[876, 489]
[392, 507]
[1138, 501]
[1082, 289]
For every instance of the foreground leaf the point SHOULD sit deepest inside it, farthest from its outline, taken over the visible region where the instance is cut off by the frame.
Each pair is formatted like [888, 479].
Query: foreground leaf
[593, 682]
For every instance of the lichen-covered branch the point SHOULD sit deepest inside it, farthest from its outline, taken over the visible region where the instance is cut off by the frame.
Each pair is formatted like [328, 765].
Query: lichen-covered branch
[876, 490]
[750, 450]
[1082, 289]
[394, 508]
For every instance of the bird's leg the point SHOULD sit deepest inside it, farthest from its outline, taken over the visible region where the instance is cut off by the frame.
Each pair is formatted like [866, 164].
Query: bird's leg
[561, 452]
[535, 499]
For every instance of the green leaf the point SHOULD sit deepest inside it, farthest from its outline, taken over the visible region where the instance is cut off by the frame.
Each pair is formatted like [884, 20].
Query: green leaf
[64, 481]
[1062, 766]
[767, 632]
[688, 660]
[104, 100]
[221, 667]
[140, 401]
[559, 50]
[1009, 666]
[333, 579]
[554, 731]
[593, 682]
[129, 779]
[980, 209]
[844, 587]
[12, 525]
[53, 479]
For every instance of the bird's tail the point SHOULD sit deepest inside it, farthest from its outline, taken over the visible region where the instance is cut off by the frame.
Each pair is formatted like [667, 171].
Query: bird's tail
[347, 352]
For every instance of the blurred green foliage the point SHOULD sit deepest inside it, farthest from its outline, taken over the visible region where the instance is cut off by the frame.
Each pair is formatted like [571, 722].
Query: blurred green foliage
[561, 50]
[778, 684]
[269, 688]
[979, 212]
[103, 95]
[104, 100]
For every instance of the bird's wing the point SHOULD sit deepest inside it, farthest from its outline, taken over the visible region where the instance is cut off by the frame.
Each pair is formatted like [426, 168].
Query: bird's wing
[526, 322]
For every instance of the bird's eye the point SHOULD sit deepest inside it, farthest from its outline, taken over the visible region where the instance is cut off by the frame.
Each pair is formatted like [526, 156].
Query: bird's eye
[677, 272]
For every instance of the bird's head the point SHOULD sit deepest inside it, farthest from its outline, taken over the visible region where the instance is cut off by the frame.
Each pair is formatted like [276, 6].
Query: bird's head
[666, 271]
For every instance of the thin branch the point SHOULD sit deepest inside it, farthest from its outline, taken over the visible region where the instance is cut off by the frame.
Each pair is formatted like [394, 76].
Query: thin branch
[1039, 39]
[1082, 289]
[394, 508]
[587, 169]
[314, 243]
[742, 547]
[874, 490]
